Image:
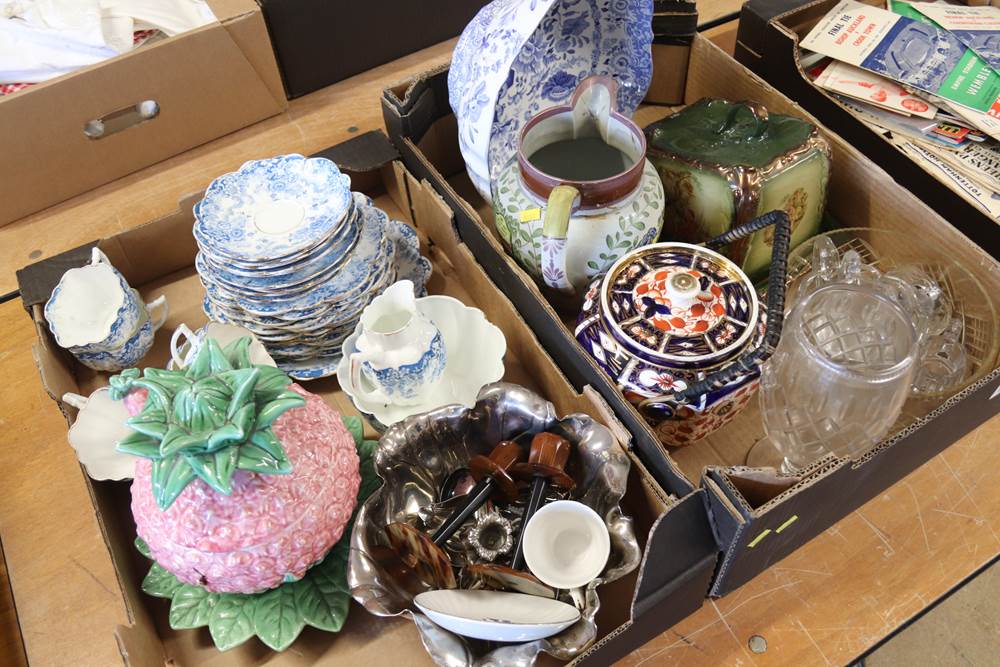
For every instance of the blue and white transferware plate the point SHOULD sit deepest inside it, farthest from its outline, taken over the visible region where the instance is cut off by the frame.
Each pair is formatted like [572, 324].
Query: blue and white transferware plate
[517, 57]
[311, 369]
[328, 254]
[272, 208]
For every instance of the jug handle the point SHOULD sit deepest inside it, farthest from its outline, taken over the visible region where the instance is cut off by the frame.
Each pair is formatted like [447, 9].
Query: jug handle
[555, 230]
[756, 356]
[373, 394]
[182, 331]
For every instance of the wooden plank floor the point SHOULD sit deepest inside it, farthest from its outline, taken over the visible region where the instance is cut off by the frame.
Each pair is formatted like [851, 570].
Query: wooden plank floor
[825, 604]
[11, 647]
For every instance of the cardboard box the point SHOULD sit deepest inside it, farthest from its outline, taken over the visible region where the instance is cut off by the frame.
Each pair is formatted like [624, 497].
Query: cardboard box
[318, 42]
[768, 44]
[758, 518]
[680, 553]
[207, 82]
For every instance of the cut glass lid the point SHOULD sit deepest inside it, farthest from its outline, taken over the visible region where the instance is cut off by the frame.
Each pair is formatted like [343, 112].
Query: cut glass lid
[680, 302]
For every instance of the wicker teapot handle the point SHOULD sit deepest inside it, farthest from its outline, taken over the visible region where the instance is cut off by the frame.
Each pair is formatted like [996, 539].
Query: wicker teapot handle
[756, 356]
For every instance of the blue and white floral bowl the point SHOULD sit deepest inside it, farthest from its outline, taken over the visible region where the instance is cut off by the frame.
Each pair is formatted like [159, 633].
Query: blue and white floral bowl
[517, 57]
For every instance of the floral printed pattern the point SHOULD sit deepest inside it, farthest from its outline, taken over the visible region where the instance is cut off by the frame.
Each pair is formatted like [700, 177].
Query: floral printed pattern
[622, 227]
[519, 56]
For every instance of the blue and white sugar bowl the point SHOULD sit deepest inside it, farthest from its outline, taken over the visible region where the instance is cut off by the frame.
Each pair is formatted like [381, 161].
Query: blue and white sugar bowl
[401, 354]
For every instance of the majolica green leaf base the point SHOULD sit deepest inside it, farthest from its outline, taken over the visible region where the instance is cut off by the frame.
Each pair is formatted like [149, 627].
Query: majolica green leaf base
[320, 599]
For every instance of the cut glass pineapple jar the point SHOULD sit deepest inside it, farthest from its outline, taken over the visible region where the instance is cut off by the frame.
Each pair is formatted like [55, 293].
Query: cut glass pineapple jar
[724, 163]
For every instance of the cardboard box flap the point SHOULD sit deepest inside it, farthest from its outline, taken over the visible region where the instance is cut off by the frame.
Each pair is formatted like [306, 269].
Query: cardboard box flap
[782, 525]
[677, 548]
[365, 152]
[254, 42]
[417, 103]
[36, 281]
[225, 10]
[205, 82]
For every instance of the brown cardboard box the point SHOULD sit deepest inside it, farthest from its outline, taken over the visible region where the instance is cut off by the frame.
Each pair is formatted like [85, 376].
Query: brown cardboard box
[157, 258]
[758, 517]
[207, 82]
[768, 44]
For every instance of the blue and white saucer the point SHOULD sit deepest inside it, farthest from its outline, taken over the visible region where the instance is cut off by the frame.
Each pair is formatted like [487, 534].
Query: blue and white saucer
[272, 208]
[302, 310]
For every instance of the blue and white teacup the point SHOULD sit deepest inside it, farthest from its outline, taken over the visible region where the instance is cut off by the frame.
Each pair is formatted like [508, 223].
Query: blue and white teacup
[401, 354]
[94, 310]
[131, 352]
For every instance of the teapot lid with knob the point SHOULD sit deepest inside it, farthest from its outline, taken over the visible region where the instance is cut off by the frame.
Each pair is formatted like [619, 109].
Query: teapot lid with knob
[680, 305]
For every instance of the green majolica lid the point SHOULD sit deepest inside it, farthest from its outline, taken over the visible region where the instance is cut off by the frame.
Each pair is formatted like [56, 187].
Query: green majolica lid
[727, 133]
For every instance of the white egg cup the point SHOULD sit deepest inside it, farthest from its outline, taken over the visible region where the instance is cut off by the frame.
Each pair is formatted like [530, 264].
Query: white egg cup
[566, 544]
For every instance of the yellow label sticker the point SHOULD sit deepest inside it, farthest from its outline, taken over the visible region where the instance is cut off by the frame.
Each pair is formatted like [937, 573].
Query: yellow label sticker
[531, 214]
[759, 538]
[787, 523]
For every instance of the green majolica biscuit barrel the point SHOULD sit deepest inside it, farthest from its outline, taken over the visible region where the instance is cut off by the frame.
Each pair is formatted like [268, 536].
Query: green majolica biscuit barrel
[724, 163]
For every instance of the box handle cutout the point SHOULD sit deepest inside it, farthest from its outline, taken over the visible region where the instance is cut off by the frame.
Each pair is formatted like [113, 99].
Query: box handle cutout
[122, 119]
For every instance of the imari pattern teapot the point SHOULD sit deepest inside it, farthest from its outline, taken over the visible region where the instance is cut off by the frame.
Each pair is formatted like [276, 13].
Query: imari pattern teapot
[681, 331]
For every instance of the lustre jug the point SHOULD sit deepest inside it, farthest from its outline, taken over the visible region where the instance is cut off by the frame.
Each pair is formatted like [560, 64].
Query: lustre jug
[680, 330]
[579, 194]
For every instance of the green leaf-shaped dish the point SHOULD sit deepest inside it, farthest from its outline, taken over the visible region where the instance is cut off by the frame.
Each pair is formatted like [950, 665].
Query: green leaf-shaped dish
[320, 599]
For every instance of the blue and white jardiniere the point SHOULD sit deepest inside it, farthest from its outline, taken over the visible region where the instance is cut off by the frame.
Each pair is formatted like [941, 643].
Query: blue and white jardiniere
[517, 57]
[401, 354]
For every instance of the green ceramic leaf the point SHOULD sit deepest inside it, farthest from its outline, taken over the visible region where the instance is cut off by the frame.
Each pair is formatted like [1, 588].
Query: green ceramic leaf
[191, 607]
[143, 548]
[242, 383]
[320, 599]
[245, 417]
[170, 476]
[270, 384]
[216, 469]
[139, 444]
[177, 439]
[267, 441]
[238, 352]
[276, 617]
[286, 401]
[231, 623]
[150, 424]
[322, 596]
[224, 436]
[255, 459]
[356, 428]
[160, 583]
[370, 481]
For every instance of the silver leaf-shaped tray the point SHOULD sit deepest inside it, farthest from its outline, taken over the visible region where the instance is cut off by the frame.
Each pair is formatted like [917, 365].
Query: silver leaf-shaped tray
[413, 459]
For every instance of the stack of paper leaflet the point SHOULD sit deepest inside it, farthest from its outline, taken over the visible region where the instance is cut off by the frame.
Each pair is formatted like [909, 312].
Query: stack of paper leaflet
[934, 92]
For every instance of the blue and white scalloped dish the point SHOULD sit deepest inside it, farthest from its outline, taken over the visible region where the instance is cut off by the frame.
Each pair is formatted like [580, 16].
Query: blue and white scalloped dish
[273, 208]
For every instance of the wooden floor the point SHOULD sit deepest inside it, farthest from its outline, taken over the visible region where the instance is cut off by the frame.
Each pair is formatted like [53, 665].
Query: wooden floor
[11, 646]
[825, 604]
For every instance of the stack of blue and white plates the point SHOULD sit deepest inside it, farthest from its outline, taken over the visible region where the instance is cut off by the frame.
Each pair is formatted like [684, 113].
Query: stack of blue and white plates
[290, 253]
